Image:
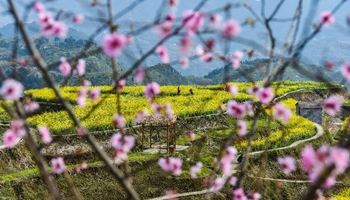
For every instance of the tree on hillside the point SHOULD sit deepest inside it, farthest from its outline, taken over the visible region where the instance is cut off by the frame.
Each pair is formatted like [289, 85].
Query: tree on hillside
[202, 33]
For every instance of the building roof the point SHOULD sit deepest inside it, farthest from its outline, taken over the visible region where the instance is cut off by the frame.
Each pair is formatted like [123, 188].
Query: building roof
[310, 104]
[158, 120]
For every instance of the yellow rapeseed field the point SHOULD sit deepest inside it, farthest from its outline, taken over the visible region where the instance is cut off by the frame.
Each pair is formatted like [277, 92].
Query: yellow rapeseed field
[206, 99]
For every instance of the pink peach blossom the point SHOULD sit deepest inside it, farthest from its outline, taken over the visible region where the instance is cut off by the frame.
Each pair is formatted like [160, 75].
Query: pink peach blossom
[17, 127]
[171, 195]
[81, 101]
[119, 121]
[242, 128]
[332, 105]
[226, 166]
[157, 109]
[81, 96]
[83, 92]
[230, 29]
[45, 134]
[58, 165]
[45, 18]
[11, 89]
[80, 68]
[236, 59]
[152, 89]
[345, 71]
[169, 111]
[233, 89]
[249, 108]
[81, 131]
[308, 158]
[122, 145]
[184, 62]
[254, 90]
[112, 44]
[163, 53]
[214, 21]
[120, 155]
[340, 157]
[330, 181]
[140, 115]
[207, 57]
[65, 67]
[38, 7]
[129, 142]
[200, 50]
[85, 83]
[139, 75]
[327, 18]
[227, 160]
[265, 95]
[78, 19]
[22, 63]
[232, 151]
[121, 84]
[254, 196]
[164, 29]
[54, 28]
[232, 181]
[217, 185]
[238, 194]
[173, 3]
[95, 94]
[235, 109]
[196, 169]
[191, 135]
[288, 164]
[210, 44]
[171, 164]
[9, 138]
[282, 112]
[185, 45]
[31, 106]
[170, 17]
[328, 65]
[117, 140]
[193, 21]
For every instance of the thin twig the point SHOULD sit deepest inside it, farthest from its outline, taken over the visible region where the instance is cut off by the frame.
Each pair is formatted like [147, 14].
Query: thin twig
[43, 67]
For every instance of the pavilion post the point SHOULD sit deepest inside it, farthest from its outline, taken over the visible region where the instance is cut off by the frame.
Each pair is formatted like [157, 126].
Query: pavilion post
[174, 138]
[167, 136]
[150, 137]
[143, 133]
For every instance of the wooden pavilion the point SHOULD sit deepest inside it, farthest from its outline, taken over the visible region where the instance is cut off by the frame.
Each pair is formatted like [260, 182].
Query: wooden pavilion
[152, 122]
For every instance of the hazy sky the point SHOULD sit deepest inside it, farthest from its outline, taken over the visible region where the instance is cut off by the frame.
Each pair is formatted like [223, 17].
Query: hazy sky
[146, 11]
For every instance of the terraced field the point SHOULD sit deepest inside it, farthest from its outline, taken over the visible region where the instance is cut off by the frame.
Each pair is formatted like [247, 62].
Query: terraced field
[270, 134]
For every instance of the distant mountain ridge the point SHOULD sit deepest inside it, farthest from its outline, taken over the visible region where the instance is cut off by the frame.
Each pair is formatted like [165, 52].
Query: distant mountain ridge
[7, 31]
[99, 70]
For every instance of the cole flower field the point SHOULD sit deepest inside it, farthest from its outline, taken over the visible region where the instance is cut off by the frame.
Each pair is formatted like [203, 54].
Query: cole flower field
[206, 100]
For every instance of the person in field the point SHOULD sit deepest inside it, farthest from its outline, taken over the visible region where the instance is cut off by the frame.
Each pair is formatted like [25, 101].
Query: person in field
[191, 91]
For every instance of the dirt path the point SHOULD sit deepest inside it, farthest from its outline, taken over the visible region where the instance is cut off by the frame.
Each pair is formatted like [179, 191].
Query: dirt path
[320, 132]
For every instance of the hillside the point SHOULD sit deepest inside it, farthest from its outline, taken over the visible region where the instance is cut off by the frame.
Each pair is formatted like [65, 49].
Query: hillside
[98, 66]
[257, 70]
[33, 28]
[164, 74]
[99, 70]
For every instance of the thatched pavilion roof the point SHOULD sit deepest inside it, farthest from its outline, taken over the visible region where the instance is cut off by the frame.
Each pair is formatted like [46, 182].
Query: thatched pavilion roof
[158, 120]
